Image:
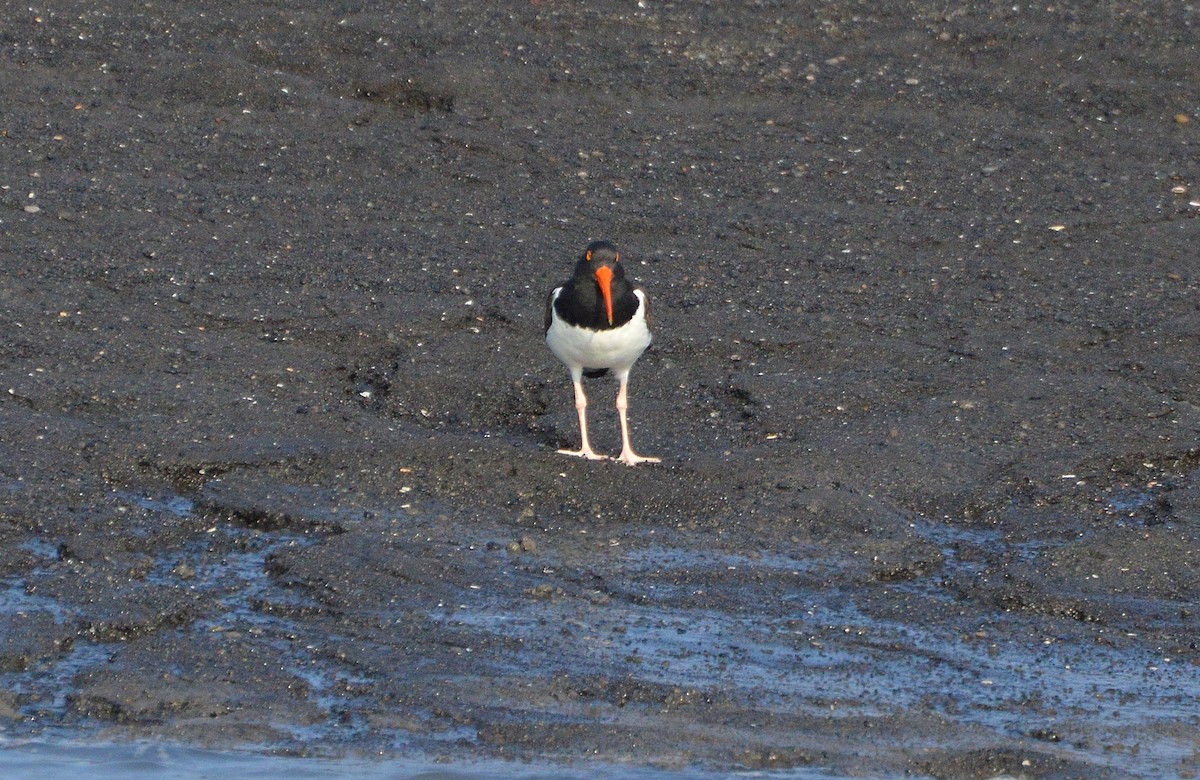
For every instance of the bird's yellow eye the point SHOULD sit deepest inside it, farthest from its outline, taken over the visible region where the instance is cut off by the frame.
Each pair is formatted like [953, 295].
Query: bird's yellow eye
[589, 255]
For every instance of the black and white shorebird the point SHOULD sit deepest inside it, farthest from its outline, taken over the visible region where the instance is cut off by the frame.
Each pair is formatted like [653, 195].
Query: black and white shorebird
[598, 321]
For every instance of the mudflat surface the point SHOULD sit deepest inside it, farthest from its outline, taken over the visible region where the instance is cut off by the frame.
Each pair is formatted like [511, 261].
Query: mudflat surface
[277, 424]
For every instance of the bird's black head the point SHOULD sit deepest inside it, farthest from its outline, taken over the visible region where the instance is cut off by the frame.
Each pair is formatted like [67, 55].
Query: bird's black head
[597, 255]
[600, 261]
[599, 252]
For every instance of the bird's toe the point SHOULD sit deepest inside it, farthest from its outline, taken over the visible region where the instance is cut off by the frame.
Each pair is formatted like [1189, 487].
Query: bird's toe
[583, 453]
[631, 458]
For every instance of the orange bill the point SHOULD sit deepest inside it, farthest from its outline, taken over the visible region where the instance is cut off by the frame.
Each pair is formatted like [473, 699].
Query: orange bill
[604, 276]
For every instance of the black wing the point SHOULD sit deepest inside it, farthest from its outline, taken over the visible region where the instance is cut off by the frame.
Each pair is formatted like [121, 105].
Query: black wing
[550, 307]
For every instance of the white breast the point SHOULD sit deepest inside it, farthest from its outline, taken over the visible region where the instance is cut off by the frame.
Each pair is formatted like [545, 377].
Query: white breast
[616, 349]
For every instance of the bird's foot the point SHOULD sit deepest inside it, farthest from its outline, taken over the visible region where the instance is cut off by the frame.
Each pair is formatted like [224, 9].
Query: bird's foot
[583, 452]
[631, 458]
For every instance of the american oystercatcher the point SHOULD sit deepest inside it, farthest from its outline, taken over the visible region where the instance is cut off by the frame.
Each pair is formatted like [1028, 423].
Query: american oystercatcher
[598, 321]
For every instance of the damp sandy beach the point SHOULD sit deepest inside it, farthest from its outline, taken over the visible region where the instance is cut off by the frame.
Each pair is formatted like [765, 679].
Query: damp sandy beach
[278, 423]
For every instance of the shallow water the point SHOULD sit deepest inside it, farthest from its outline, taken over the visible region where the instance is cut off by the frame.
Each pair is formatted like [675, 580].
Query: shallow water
[788, 645]
[821, 651]
[775, 636]
[68, 761]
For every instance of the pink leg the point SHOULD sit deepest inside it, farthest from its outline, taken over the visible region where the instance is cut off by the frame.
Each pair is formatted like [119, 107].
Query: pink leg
[585, 450]
[628, 456]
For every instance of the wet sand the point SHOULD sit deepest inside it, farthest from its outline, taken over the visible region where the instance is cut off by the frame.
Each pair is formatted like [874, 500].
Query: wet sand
[277, 461]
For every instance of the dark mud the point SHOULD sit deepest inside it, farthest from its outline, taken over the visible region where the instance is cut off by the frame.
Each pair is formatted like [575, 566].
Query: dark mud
[277, 457]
